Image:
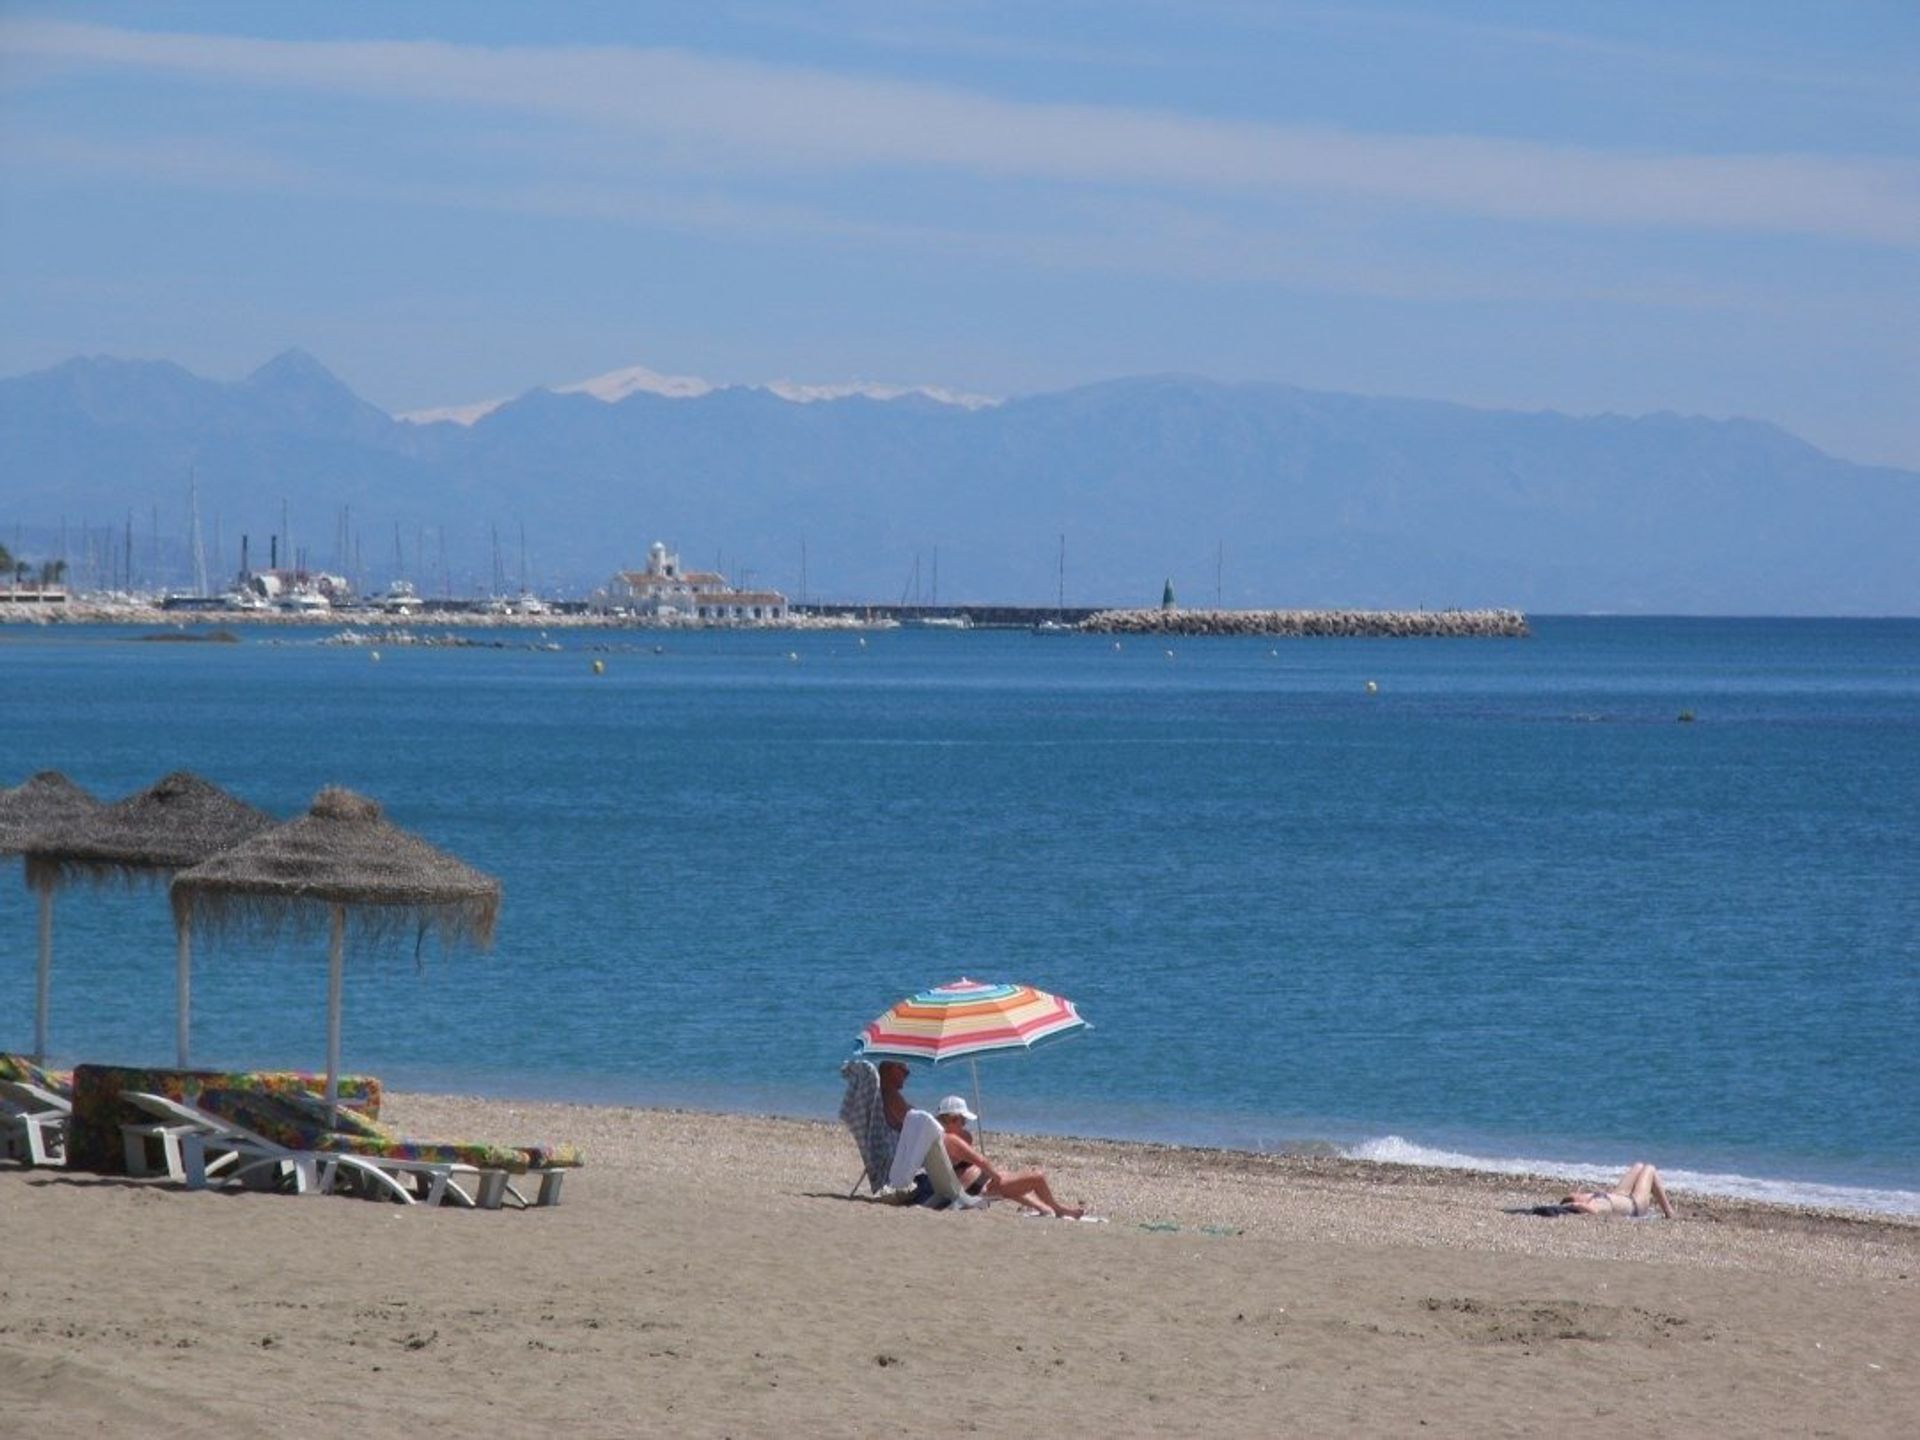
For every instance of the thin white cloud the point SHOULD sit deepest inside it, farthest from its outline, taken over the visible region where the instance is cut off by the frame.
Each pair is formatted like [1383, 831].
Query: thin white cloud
[962, 35]
[739, 116]
[1887, 85]
[1129, 237]
[209, 162]
[1099, 232]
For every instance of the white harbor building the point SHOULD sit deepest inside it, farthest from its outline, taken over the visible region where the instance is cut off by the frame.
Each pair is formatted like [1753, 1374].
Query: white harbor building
[664, 591]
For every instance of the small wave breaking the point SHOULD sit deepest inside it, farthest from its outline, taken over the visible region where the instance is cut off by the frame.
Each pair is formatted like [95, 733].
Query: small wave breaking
[1394, 1150]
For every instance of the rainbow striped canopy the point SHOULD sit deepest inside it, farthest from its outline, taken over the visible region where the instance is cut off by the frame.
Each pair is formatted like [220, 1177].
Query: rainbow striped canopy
[966, 1019]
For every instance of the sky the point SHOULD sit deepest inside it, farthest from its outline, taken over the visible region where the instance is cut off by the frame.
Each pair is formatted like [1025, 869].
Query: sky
[1711, 208]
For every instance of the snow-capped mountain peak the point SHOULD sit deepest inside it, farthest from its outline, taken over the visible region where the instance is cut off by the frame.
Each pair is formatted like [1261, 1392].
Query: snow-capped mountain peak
[617, 385]
[806, 394]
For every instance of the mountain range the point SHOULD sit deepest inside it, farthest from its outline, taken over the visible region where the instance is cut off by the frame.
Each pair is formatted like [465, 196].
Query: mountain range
[1259, 494]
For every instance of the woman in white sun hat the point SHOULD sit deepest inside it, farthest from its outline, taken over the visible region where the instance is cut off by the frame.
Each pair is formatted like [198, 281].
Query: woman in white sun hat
[978, 1174]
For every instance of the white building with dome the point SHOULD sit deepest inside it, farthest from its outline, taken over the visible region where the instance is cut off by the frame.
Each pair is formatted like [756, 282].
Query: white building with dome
[665, 591]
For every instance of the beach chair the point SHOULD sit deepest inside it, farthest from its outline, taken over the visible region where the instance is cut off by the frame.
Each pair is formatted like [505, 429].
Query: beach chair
[195, 1143]
[866, 1119]
[33, 1123]
[97, 1140]
[191, 1132]
[891, 1159]
[494, 1167]
[164, 1133]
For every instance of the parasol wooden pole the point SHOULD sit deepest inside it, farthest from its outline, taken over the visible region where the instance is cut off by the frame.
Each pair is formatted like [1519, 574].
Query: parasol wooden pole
[183, 989]
[46, 978]
[336, 964]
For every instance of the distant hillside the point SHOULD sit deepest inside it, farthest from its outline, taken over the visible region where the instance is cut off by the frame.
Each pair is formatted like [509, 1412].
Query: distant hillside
[1303, 499]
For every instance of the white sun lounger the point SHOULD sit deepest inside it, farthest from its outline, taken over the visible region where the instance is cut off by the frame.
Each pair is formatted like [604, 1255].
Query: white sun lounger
[168, 1133]
[33, 1123]
[188, 1133]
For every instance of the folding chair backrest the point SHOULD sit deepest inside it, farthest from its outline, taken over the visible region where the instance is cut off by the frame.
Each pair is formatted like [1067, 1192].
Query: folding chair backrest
[865, 1116]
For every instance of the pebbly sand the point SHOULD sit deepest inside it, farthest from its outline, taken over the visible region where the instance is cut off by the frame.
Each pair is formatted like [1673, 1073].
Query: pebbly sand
[707, 1276]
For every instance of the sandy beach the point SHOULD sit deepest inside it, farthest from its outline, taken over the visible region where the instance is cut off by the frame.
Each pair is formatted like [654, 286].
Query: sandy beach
[706, 1275]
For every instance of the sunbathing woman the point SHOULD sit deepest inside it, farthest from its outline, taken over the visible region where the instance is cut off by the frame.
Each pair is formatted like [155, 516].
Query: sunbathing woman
[1639, 1189]
[978, 1175]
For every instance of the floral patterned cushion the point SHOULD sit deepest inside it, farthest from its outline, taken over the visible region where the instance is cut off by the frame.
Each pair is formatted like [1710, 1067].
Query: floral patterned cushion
[443, 1152]
[20, 1069]
[557, 1156]
[93, 1135]
[363, 1134]
[265, 1113]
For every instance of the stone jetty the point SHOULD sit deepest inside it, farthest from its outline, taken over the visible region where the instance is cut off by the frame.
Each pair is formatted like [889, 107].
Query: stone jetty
[1476, 624]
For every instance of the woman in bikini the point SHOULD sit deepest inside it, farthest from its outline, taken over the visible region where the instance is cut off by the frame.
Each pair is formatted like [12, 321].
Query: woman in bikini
[1638, 1191]
[978, 1175]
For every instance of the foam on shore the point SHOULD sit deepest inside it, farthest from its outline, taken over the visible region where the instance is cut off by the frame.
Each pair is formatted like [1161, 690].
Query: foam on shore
[1393, 1150]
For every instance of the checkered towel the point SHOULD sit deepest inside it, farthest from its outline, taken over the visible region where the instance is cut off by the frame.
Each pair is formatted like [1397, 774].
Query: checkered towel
[862, 1112]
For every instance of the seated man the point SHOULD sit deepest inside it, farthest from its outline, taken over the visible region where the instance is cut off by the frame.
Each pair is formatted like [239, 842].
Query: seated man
[893, 1098]
[977, 1173]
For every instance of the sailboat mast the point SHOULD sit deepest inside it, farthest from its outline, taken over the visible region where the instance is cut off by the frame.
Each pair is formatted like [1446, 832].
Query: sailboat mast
[193, 521]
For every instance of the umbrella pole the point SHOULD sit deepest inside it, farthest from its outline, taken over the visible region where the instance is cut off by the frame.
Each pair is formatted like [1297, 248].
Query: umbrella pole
[46, 978]
[980, 1139]
[183, 989]
[336, 963]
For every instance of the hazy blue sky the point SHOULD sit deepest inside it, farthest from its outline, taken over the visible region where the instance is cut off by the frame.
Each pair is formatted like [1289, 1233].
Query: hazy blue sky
[1707, 207]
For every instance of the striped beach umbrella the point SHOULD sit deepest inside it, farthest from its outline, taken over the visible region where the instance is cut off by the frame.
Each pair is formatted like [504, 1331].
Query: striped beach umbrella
[968, 1019]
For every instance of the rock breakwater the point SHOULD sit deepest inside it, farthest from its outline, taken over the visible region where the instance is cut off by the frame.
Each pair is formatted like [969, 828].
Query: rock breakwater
[1474, 624]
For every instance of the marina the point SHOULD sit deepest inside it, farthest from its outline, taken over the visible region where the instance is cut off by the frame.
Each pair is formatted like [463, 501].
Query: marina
[407, 608]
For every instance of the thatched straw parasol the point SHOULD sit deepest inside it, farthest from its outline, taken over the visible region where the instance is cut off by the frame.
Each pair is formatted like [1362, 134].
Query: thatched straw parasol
[340, 859]
[46, 802]
[176, 822]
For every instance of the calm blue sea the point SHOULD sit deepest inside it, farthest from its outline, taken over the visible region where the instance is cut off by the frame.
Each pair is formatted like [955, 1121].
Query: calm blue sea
[1506, 910]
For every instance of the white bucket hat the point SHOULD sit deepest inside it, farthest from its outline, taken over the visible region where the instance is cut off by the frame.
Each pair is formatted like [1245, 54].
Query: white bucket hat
[955, 1105]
